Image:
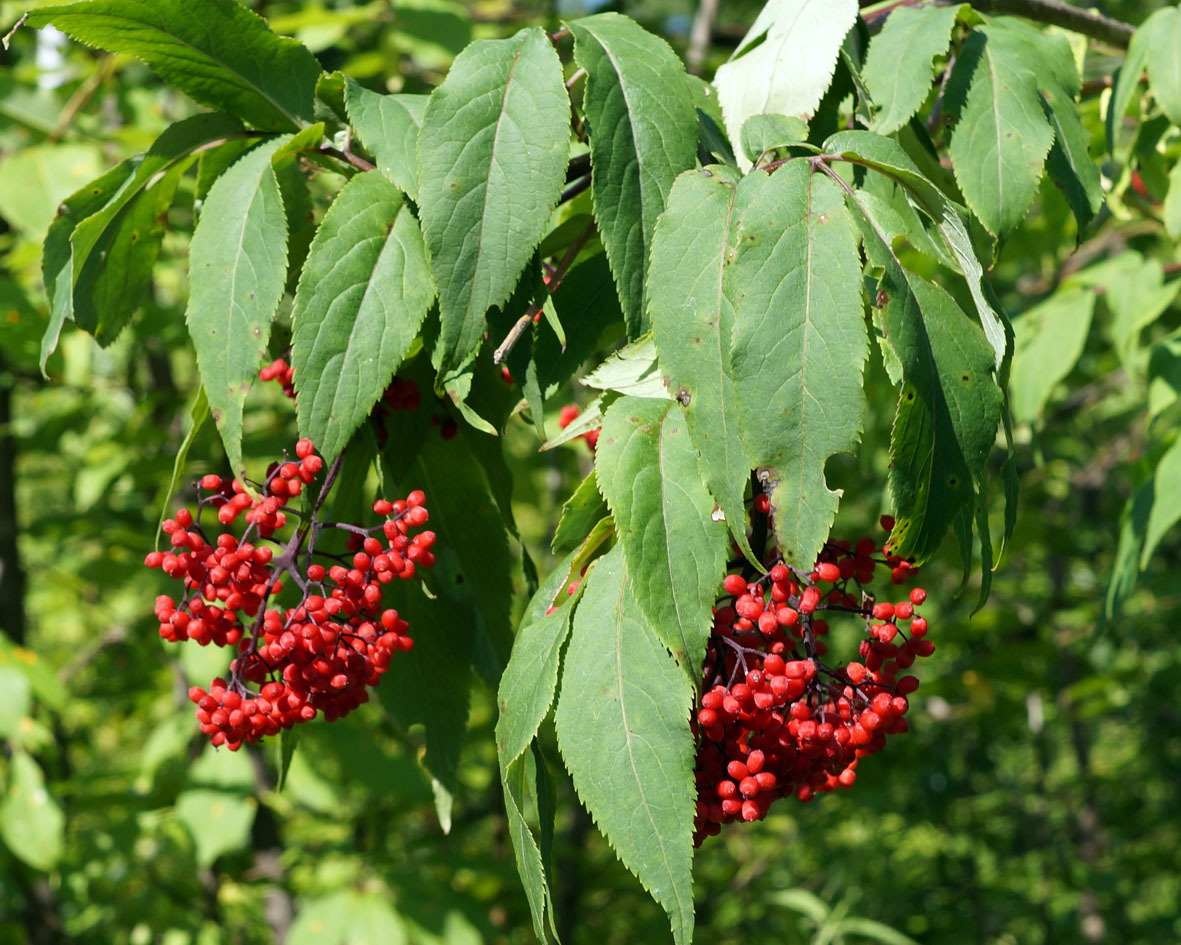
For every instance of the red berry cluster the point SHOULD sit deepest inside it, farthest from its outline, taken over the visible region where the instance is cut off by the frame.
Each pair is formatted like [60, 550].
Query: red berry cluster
[775, 719]
[568, 414]
[282, 373]
[317, 656]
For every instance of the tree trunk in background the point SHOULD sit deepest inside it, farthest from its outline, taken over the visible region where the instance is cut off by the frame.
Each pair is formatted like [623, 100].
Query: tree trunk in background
[12, 578]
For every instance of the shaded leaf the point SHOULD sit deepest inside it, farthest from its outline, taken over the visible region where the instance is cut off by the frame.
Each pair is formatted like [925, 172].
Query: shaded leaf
[218, 52]
[643, 132]
[622, 731]
[1166, 505]
[580, 512]
[364, 292]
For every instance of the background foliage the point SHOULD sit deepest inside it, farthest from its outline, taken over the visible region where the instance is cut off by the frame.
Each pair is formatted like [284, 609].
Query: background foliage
[1035, 799]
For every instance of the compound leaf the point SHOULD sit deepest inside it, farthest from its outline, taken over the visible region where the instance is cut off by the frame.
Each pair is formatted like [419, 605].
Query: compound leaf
[643, 133]
[364, 291]
[237, 271]
[647, 469]
[218, 52]
[692, 319]
[622, 733]
[492, 155]
[799, 344]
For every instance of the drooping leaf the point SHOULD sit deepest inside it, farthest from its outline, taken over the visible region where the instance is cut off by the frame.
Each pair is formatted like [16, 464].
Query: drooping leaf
[675, 551]
[520, 780]
[388, 126]
[1125, 569]
[1163, 30]
[784, 64]
[492, 155]
[885, 155]
[1166, 505]
[1001, 137]
[218, 52]
[580, 512]
[1048, 341]
[643, 133]
[57, 253]
[198, 414]
[948, 406]
[799, 345]
[530, 679]
[622, 731]
[114, 250]
[1070, 164]
[288, 742]
[365, 289]
[692, 319]
[31, 822]
[237, 270]
[898, 67]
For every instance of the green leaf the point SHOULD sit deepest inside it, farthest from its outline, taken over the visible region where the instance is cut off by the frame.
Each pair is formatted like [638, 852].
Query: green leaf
[675, 550]
[643, 132]
[765, 133]
[1163, 30]
[237, 271]
[388, 126]
[871, 929]
[799, 345]
[948, 406]
[218, 821]
[899, 64]
[785, 62]
[1070, 164]
[1171, 211]
[288, 741]
[1166, 505]
[364, 292]
[1048, 341]
[623, 733]
[33, 181]
[347, 917]
[114, 250]
[492, 156]
[1125, 569]
[1136, 293]
[57, 253]
[530, 679]
[519, 780]
[1164, 374]
[1001, 137]
[198, 414]
[217, 52]
[1127, 80]
[16, 701]
[630, 370]
[886, 156]
[692, 319]
[31, 823]
[579, 513]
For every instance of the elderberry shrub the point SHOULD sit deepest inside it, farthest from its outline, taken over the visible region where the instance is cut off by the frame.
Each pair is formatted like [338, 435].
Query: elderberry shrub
[319, 656]
[777, 720]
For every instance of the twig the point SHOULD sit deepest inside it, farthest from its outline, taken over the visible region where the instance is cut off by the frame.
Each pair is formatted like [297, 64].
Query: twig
[575, 189]
[347, 156]
[81, 98]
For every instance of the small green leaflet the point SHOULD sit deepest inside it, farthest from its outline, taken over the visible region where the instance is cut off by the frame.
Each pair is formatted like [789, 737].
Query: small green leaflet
[675, 550]
[1048, 340]
[579, 513]
[784, 64]
[388, 126]
[495, 136]
[237, 270]
[632, 369]
[692, 319]
[898, 67]
[622, 731]
[643, 133]
[799, 344]
[31, 822]
[948, 406]
[364, 292]
[1001, 137]
[765, 133]
[218, 52]
[1163, 30]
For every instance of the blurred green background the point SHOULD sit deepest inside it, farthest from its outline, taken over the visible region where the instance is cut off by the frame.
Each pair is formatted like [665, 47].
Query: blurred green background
[1036, 800]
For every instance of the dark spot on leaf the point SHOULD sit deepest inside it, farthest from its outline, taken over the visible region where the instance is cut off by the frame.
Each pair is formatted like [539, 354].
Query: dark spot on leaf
[458, 578]
[881, 298]
[821, 218]
[706, 173]
[216, 414]
[965, 378]
[953, 482]
[683, 396]
[910, 396]
[135, 236]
